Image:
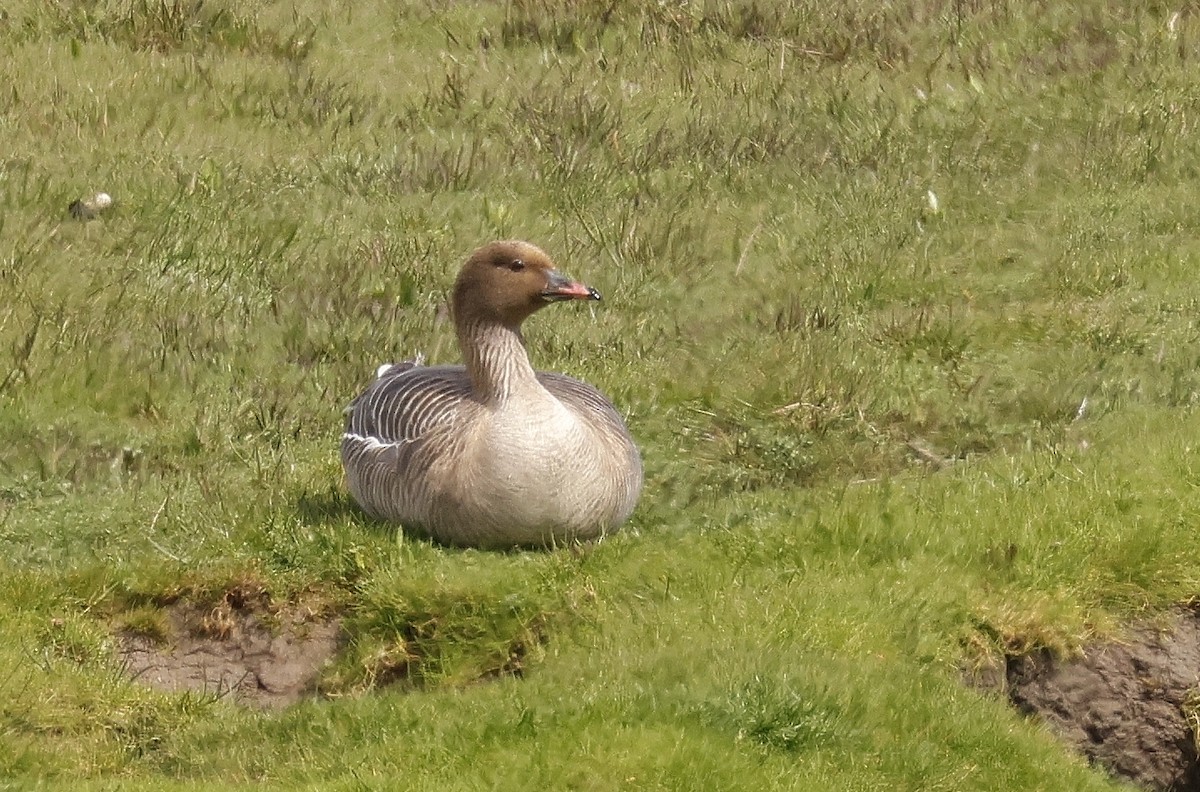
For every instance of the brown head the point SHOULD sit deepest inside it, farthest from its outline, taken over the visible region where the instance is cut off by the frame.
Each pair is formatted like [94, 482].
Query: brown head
[505, 282]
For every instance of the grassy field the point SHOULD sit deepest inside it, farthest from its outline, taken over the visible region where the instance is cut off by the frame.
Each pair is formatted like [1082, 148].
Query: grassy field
[901, 304]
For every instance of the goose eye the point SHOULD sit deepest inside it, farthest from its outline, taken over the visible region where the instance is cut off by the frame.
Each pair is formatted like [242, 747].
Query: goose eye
[516, 265]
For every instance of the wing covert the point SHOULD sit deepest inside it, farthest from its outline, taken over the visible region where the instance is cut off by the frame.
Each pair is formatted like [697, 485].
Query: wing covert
[403, 405]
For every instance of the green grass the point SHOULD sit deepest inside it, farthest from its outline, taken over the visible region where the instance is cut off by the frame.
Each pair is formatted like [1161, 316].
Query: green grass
[900, 302]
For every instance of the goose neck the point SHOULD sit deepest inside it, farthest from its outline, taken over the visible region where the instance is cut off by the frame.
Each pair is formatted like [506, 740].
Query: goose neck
[496, 360]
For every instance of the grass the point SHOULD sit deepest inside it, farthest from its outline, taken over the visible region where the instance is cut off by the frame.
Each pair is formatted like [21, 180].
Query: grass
[900, 303]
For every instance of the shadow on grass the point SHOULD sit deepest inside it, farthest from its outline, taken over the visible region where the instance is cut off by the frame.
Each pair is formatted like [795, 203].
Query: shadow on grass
[332, 505]
[335, 506]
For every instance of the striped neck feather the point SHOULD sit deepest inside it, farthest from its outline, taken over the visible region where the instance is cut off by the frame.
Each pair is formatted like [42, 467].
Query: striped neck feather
[496, 360]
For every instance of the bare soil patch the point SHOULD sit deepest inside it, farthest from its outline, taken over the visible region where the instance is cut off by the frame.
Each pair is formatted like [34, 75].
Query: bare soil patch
[238, 649]
[1129, 706]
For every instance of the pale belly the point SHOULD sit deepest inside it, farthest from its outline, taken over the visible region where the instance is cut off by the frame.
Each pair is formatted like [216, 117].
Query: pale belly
[532, 476]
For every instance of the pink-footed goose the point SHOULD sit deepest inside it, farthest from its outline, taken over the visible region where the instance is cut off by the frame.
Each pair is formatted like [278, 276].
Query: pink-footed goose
[492, 453]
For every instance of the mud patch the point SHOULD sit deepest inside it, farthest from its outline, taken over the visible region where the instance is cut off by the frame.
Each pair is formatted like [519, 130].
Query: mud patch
[1129, 706]
[235, 649]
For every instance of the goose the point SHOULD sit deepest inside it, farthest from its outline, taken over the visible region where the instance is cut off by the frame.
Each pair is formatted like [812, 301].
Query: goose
[491, 453]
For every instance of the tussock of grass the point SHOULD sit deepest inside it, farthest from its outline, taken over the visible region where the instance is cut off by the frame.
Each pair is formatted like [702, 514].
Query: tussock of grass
[899, 304]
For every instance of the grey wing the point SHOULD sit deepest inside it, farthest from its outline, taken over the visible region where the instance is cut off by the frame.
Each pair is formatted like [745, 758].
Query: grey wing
[406, 402]
[384, 448]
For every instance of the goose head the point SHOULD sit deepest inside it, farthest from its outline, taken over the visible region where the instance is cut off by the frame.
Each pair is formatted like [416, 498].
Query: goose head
[505, 282]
